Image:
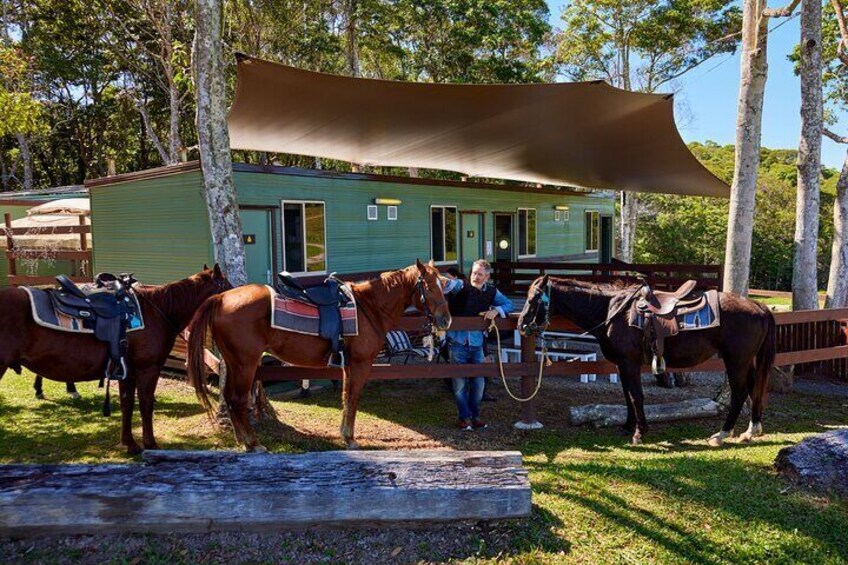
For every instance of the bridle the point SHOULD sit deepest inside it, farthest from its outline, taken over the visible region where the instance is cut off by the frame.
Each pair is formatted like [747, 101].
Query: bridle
[420, 285]
[543, 301]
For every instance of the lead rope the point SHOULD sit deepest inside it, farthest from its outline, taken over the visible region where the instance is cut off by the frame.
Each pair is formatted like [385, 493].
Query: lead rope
[543, 362]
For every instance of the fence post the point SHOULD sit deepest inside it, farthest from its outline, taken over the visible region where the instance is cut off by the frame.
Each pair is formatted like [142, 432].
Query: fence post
[528, 385]
[10, 245]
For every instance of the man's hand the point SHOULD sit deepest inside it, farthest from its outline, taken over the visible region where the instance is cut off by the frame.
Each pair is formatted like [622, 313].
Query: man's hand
[490, 314]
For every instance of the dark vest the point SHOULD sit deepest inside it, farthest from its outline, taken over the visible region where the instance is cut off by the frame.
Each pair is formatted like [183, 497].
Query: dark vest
[469, 301]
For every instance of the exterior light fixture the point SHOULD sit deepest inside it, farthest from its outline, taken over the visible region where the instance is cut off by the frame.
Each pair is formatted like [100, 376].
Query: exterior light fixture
[387, 201]
[561, 213]
[561, 208]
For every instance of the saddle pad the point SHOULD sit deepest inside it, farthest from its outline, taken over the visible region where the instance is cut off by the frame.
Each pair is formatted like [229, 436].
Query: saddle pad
[45, 315]
[701, 319]
[295, 316]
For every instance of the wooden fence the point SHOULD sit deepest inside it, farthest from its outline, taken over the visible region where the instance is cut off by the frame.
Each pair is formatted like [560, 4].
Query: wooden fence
[13, 253]
[515, 277]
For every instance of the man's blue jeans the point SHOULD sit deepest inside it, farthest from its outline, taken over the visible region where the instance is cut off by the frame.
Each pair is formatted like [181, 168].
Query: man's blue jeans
[467, 391]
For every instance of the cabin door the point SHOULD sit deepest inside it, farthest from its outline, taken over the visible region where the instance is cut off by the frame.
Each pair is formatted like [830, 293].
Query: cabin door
[503, 237]
[471, 227]
[606, 239]
[256, 227]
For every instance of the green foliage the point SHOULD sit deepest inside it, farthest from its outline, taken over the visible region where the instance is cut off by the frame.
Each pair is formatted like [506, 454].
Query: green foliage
[22, 113]
[688, 229]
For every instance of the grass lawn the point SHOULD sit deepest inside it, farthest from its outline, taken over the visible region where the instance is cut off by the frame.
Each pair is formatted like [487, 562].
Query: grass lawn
[596, 499]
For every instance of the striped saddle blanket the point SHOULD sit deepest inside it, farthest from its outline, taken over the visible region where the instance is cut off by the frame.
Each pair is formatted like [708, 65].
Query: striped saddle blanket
[301, 317]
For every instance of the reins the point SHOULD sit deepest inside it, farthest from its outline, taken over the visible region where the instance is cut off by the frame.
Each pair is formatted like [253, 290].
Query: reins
[543, 362]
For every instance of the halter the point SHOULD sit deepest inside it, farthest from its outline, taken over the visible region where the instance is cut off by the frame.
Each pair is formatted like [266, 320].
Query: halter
[534, 328]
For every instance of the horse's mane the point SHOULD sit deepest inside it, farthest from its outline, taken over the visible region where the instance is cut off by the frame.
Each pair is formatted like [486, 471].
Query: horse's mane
[600, 289]
[175, 299]
[389, 280]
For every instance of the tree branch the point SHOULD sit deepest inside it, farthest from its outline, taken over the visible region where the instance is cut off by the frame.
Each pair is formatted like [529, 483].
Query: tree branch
[843, 31]
[782, 12]
[834, 137]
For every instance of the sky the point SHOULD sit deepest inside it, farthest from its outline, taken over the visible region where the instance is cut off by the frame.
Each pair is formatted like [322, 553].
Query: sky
[707, 96]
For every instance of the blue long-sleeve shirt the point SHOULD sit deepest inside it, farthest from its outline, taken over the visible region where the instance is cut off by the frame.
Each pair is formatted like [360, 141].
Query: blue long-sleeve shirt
[474, 338]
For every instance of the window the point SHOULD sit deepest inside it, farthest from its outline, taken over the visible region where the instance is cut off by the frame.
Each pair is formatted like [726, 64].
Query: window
[443, 226]
[526, 232]
[391, 213]
[593, 230]
[372, 212]
[304, 237]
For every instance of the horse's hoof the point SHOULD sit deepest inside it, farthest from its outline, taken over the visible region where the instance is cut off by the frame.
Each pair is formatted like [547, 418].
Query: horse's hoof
[75, 395]
[715, 440]
[258, 448]
[636, 440]
[39, 395]
[134, 449]
[352, 445]
[746, 438]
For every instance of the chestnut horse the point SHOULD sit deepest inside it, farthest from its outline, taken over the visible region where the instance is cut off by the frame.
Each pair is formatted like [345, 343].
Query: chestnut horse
[745, 340]
[240, 325]
[72, 357]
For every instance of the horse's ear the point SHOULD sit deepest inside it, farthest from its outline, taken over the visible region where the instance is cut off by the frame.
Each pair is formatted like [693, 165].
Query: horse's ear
[431, 263]
[205, 267]
[545, 280]
[216, 270]
[421, 268]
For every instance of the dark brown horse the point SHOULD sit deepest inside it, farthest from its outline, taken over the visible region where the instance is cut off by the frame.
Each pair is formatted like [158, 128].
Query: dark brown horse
[72, 357]
[745, 340]
[240, 324]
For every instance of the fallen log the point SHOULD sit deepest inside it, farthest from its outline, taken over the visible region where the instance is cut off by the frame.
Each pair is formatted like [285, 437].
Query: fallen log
[218, 491]
[603, 415]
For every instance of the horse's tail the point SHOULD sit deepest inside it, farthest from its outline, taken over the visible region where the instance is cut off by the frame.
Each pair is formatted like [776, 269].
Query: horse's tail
[204, 316]
[765, 362]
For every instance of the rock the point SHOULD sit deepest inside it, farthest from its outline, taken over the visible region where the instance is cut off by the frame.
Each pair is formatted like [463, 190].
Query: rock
[819, 462]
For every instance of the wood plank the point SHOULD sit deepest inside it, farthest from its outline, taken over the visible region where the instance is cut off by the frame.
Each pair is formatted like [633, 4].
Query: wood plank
[604, 415]
[59, 254]
[54, 230]
[220, 491]
[20, 280]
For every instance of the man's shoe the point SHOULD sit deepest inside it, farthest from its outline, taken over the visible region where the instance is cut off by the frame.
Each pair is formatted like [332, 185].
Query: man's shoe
[464, 425]
[479, 424]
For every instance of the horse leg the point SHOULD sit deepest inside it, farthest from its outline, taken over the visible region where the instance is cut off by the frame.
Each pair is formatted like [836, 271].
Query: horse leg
[126, 390]
[630, 425]
[146, 383]
[71, 389]
[631, 374]
[737, 376]
[354, 381]
[38, 385]
[237, 392]
[755, 427]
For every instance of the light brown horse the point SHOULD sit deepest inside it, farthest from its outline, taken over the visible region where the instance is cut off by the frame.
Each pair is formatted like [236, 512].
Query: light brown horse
[73, 357]
[745, 340]
[240, 324]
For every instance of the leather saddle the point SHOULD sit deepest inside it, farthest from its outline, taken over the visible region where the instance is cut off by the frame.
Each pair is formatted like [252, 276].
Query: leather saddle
[105, 307]
[661, 311]
[329, 298]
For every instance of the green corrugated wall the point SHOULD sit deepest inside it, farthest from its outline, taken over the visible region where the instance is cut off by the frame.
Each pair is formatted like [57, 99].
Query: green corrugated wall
[156, 228]
[159, 229]
[356, 244]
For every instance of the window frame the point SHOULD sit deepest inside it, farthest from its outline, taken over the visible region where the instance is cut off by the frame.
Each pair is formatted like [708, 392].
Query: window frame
[587, 223]
[302, 204]
[444, 233]
[527, 235]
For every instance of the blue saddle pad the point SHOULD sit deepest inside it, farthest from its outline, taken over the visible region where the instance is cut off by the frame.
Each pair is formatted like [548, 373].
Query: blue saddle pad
[46, 315]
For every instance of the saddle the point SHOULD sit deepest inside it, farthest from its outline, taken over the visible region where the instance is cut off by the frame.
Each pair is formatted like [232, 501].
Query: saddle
[106, 308]
[662, 312]
[329, 298]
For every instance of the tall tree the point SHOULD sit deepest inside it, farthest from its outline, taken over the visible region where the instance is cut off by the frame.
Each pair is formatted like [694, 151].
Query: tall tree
[835, 71]
[804, 271]
[214, 140]
[642, 45]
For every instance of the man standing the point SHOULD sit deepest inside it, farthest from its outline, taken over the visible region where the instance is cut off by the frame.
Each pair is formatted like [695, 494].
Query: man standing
[466, 347]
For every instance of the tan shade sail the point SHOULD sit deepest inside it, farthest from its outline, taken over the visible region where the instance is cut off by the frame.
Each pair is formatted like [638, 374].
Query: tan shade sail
[586, 134]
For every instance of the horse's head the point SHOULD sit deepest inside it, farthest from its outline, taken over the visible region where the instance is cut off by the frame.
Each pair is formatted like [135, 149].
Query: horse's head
[212, 280]
[429, 297]
[536, 315]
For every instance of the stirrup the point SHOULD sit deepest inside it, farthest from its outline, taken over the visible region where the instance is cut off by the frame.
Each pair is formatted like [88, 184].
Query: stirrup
[119, 374]
[658, 365]
[336, 360]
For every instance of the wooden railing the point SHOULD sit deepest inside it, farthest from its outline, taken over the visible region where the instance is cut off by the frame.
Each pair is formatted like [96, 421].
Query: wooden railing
[14, 253]
[515, 277]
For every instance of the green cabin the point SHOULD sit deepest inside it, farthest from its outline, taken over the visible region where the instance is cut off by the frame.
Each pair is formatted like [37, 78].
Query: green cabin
[311, 223]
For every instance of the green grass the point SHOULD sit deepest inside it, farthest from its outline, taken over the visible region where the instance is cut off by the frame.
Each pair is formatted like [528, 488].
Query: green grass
[596, 500]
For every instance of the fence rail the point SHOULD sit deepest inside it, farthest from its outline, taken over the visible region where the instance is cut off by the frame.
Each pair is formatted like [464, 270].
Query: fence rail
[513, 277]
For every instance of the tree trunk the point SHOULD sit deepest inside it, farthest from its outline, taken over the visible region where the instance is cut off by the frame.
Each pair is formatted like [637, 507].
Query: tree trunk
[629, 205]
[837, 283]
[352, 48]
[150, 132]
[176, 143]
[214, 142]
[754, 70]
[804, 271]
[26, 157]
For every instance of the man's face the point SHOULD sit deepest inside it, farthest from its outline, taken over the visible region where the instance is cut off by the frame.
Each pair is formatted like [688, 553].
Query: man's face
[479, 276]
